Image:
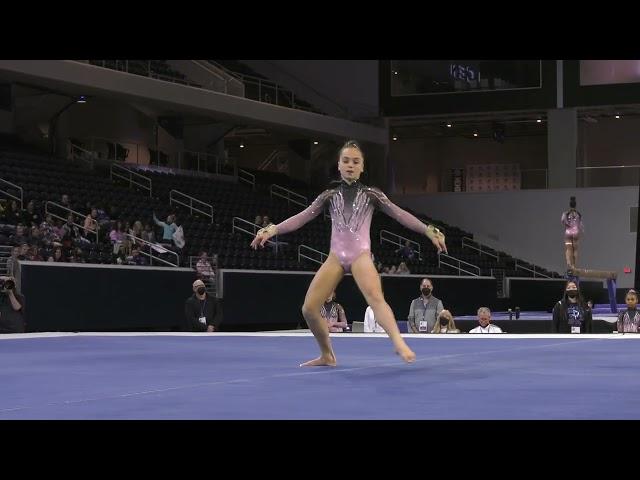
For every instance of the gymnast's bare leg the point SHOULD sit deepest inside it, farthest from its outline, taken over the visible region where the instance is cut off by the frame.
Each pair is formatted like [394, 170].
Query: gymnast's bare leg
[324, 282]
[368, 281]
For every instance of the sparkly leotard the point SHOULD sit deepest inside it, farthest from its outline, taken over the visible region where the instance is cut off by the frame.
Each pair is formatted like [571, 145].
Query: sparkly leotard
[351, 208]
[572, 221]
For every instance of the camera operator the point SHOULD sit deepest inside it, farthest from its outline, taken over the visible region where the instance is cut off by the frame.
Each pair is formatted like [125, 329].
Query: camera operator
[11, 306]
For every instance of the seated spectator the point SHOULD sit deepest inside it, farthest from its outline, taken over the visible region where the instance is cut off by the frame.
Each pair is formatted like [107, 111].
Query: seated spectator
[12, 261]
[204, 268]
[102, 217]
[258, 220]
[385, 270]
[13, 214]
[370, 324]
[484, 319]
[334, 314]
[49, 236]
[58, 231]
[36, 237]
[20, 237]
[116, 236]
[629, 319]
[571, 314]
[201, 310]
[65, 202]
[379, 267]
[403, 269]
[24, 251]
[392, 270]
[406, 251]
[136, 258]
[148, 234]
[30, 216]
[445, 323]
[91, 226]
[57, 255]
[70, 230]
[136, 229]
[266, 221]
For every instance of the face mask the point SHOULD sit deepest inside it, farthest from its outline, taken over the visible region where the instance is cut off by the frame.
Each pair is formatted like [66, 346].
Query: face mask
[572, 293]
[444, 322]
[426, 292]
[200, 290]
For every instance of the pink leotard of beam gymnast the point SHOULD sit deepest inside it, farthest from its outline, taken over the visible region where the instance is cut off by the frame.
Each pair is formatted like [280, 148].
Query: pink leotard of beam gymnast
[351, 208]
[572, 222]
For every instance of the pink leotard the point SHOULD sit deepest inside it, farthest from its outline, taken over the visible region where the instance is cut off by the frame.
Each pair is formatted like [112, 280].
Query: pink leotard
[351, 208]
[572, 221]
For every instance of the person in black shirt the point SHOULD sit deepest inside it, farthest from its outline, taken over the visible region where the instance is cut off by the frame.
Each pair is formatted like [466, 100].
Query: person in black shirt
[11, 306]
[571, 314]
[201, 310]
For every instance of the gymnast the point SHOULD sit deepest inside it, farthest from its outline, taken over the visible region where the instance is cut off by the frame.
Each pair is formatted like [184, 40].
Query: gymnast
[351, 206]
[572, 221]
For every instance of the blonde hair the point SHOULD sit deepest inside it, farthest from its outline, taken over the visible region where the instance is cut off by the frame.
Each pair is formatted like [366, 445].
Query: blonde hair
[451, 326]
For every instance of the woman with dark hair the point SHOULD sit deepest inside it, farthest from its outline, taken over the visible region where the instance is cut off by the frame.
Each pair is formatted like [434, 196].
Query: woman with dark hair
[351, 205]
[571, 314]
[573, 226]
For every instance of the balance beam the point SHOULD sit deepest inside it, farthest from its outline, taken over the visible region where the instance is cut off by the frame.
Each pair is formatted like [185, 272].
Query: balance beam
[583, 272]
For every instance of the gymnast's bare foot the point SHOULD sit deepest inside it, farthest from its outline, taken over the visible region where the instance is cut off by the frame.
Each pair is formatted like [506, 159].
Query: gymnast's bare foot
[323, 360]
[406, 354]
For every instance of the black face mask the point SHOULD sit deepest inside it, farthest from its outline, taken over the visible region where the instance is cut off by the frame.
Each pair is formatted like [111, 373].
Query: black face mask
[201, 290]
[426, 291]
[444, 322]
[572, 293]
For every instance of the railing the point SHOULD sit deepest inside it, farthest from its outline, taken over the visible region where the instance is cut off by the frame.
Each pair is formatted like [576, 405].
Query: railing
[393, 240]
[47, 211]
[117, 150]
[277, 191]
[157, 247]
[247, 177]
[241, 225]
[144, 69]
[306, 248]
[535, 274]
[608, 176]
[10, 195]
[457, 267]
[473, 247]
[79, 153]
[115, 168]
[176, 193]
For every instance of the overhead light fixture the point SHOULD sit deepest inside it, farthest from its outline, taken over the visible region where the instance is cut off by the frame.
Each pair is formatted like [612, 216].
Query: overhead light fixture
[617, 116]
[81, 99]
[241, 145]
[395, 137]
[315, 142]
[395, 72]
[539, 120]
[449, 125]
[475, 134]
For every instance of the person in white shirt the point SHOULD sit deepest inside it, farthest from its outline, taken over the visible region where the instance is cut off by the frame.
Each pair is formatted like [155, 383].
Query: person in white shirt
[484, 319]
[370, 324]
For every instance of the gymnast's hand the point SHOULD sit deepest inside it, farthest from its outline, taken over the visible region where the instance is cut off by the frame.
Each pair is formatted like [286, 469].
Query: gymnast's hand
[437, 238]
[263, 235]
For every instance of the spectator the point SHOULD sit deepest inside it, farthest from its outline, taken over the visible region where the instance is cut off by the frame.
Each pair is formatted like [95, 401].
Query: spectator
[101, 217]
[117, 236]
[20, 236]
[70, 230]
[334, 314]
[385, 270]
[148, 234]
[258, 220]
[30, 216]
[424, 310]
[392, 270]
[49, 236]
[65, 202]
[57, 255]
[34, 254]
[91, 226]
[13, 214]
[406, 251]
[169, 228]
[24, 251]
[403, 269]
[136, 230]
[11, 306]
[58, 230]
[571, 314]
[484, 319]
[12, 261]
[629, 319]
[370, 324]
[445, 323]
[136, 258]
[201, 311]
[204, 268]
[266, 221]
